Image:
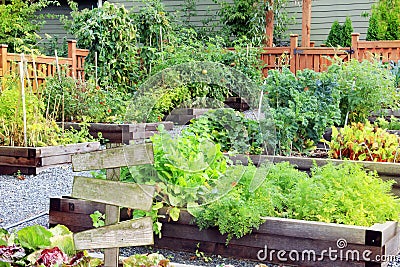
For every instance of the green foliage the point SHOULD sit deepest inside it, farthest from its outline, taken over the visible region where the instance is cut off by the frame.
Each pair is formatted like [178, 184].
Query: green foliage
[384, 23]
[110, 32]
[340, 35]
[34, 237]
[373, 28]
[244, 18]
[358, 95]
[41, 130]
[303, 106]
[19, 24]
[77, 100]
[239, 212]
[393, 123]
[153, 214]
[98, 219]
[364, 142]
[230, 129]
[343, 194]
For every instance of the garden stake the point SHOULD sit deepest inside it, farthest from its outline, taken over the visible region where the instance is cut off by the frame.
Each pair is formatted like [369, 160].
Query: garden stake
[21, 71]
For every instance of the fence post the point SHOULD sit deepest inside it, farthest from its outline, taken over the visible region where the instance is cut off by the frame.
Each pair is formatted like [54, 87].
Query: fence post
[294, 38]
[355, 38]
[3, 59]
[72, 56]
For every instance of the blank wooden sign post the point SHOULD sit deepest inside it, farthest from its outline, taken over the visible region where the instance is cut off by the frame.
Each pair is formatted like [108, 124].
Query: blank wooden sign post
[114, 194]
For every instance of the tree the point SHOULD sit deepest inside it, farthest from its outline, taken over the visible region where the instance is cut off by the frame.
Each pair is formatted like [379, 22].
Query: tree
[384, 23]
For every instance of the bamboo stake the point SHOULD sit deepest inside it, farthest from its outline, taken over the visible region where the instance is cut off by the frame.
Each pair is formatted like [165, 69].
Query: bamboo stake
[62, 97]
[95, 67]
[35, 75]
[21, 71]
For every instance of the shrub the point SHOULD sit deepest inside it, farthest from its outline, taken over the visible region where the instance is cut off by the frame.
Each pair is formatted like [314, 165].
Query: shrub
[340, 35]
[384, 23]
[19, 24]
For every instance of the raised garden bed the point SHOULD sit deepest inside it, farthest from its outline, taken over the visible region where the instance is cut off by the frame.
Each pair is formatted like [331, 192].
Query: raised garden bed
[386, 170]
[294, 238]
[182, 116]
[32, 160]
[122, 133]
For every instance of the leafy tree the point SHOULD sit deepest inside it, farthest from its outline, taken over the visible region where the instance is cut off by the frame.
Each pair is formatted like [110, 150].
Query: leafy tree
[384, 23]
[19, 23]
[246, 18]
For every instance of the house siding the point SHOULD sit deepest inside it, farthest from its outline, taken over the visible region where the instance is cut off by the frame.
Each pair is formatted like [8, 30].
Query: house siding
[324, 13]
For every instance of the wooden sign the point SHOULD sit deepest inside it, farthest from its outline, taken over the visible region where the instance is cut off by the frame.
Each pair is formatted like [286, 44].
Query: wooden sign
[130, 155]
[137, 232]
[129, 195]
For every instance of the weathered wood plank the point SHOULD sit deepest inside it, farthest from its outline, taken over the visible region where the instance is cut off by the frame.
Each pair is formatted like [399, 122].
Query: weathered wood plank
[111, 255]
[128, 195]
[20, 161]
[129, 155]
[313, 230]
[19, 151]
[69, 149]
[125, 234]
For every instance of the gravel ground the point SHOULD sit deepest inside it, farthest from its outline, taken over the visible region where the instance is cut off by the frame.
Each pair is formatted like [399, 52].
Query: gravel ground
[22, 200]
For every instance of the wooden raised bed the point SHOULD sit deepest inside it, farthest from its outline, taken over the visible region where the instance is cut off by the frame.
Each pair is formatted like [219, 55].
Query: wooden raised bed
[33, 160]
[182, 116]
[385, 170]
[276, 234]
[122, 133]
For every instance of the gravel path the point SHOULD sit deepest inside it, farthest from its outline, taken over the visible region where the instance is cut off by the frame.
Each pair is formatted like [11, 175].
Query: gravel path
[24, 199]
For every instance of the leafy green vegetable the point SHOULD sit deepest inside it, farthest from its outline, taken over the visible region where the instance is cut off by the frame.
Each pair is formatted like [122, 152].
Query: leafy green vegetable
[63, 239]
[34, 237]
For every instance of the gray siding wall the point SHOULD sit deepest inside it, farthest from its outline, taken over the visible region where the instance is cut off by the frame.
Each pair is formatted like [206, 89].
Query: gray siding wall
[324, 13]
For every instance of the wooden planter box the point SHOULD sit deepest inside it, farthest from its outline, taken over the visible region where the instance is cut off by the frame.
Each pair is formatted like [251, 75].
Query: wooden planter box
[276, 234]
[32, 160]
[237, 103]
[182, 116]
[122, 133]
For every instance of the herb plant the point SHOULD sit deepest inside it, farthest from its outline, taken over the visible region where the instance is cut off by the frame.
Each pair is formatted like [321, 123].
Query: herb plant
[393, 123]
[82, 100]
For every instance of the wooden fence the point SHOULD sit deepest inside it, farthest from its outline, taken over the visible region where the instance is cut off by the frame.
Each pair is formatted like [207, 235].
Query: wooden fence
[317, 58]
[40, 67]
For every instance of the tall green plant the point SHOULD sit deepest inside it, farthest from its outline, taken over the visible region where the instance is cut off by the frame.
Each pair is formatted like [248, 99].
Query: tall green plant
[110, 32]
[19, 24]
[340, 35]
[384, 23]
[303, 106]
[364, 87]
